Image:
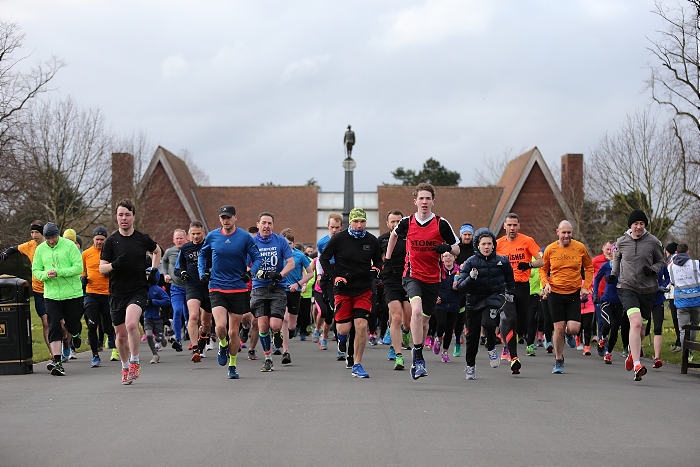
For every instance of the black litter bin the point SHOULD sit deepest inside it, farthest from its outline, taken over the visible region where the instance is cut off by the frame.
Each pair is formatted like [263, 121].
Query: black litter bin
[15, 327]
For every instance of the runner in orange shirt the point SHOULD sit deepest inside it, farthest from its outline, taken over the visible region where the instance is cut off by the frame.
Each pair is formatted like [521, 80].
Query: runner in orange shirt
[519, 249]
[561, 275]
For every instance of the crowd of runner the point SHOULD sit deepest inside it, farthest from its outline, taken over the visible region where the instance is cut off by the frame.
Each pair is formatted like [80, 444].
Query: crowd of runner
[420, 287]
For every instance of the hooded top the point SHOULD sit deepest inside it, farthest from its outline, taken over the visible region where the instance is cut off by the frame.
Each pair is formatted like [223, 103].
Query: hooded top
[630, 257]
[494, 279]
[685, 277]
[157, 298]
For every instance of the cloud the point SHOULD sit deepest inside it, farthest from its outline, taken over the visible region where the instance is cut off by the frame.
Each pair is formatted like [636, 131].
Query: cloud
[305, 67]
[174, 67]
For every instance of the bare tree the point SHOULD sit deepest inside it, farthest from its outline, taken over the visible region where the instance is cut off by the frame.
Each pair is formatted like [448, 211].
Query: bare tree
[199, 175]
[675, 83]
[491, 171]
[635, 170]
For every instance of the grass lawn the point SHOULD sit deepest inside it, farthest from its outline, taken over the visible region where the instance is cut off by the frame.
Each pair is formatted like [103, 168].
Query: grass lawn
[39, 350]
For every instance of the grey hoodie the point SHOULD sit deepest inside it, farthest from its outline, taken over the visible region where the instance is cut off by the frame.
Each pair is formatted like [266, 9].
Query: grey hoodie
[631, 255]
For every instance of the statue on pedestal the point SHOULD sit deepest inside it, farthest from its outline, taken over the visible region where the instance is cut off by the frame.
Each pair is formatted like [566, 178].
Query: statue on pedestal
[349, 141]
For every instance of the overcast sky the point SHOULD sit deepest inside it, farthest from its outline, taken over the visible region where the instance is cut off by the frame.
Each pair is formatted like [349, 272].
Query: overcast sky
[262, 91]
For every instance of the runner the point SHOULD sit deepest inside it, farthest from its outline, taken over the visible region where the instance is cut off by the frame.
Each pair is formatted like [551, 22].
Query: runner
[357, 261]
[447, 307]
[227, 249]
[122, 258]
[566, 262]
[323, 291]
[427, 237]
[178, 289]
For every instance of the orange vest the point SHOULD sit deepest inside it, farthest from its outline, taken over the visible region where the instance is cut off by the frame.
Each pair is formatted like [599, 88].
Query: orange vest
[98, 283]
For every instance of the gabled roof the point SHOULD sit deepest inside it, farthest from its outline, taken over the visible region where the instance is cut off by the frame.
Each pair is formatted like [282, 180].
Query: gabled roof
[514, 178]
[180, 177]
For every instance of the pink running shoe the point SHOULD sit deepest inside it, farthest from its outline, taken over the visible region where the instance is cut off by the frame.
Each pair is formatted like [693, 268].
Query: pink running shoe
[436, 346]
[445, 357]
[505, 355]
[429, 342]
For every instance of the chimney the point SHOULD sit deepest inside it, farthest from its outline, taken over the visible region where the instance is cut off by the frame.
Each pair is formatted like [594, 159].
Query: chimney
[572, 179]
[122, 178]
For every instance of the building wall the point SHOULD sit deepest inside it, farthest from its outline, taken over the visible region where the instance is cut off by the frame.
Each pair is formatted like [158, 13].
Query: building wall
[161, 211]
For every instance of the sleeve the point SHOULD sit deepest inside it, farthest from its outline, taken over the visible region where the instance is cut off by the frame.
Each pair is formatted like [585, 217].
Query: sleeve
[588, 269]
[659, 257]
[84, 264]
[107, 254]
[383, 244]
[204, 253]
[544, 270]
[377, 257]
[617, 256]
[596, 280]
[165, 261]
[664, 278]
[178, 264]
[286, 250]
[328, 252]
[254, 254]
[401, 228]
[509, 277]
[533, 248]
[464, 277]
[162, 298]
[76, 262]
[38, 266]
[305, 262]
[151, 245]
[448, 233]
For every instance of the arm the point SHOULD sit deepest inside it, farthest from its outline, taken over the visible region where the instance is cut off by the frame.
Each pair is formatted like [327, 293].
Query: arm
[204, 254]
[393, 238]
[254, 254]
[38, 268]
[161, 298]
[509, 278]
[76, 261]
[166, 268]
[588, 275]
[178, 265]
[156, 257]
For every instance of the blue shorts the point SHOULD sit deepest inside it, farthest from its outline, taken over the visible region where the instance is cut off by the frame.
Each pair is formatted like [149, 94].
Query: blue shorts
[39, 304]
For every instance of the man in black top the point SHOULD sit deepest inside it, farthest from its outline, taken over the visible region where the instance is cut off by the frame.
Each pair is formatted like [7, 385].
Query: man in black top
[122, 258]
[357, 259]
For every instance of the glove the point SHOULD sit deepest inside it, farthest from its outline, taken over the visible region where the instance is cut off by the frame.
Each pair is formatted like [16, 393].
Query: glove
[584, 299]
[611, 278]
[509, 298]
[596, 299]
[184, 276]
[149, 302]
[84, 280]
[152, 276]
[443, 248]
[275, 276]
[117, 263]
[374, 272]
[340, 282]
[273, 285]
[3, 256]
[247, 276]
[663, 289]
[205, 278]
[648, 271]
[474, 273]
[523, 266]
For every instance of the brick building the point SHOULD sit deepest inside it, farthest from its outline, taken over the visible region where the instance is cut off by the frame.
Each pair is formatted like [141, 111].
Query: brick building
[169, 198]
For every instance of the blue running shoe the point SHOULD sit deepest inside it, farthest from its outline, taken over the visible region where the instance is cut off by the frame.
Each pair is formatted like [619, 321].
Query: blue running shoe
[222, 355]
[418, 370]
[387, 338]
[571, 340]
[358, 371]
[66, 349]
[558, 367]
[232, 373]
[494, 361]
[315, 336]
[392, 354]
[95, 362]
[470, 372]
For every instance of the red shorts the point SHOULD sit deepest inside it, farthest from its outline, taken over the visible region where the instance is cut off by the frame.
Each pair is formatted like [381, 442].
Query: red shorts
[345, 306]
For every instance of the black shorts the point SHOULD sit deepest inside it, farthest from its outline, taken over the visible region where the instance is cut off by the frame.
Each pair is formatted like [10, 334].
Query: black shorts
[293, 299]
[642, 301]
[118, 306]
[394, 291]
[195, 293]
[564, 307]
[427, 292]
[233, 302]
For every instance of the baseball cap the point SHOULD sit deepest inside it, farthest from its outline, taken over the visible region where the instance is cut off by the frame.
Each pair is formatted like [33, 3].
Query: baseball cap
[227, 210]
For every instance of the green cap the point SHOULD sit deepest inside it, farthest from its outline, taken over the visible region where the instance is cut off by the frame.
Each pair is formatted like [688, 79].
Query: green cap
[357, 214]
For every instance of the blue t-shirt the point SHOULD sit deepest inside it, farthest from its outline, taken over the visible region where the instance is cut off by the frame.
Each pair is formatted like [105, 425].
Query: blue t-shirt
[274, 254]
[322, 244]
[228, 254]
[301, 262]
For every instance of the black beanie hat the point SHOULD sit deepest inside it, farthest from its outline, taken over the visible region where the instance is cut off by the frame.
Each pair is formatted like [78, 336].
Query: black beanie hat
[50, 230]
[637, 215]
[672, 247]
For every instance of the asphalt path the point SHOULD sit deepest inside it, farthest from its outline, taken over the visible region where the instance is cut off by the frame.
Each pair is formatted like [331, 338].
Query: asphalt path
[312, 412]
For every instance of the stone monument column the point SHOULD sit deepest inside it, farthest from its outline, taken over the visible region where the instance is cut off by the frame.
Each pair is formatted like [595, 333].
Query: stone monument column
[349, 193]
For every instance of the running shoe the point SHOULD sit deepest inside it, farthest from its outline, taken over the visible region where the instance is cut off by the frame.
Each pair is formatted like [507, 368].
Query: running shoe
[445, 357]
[277, 339]
[286, 358]
[209, 346]
[125, 377]
[469, 371]
[579, 345]
[505, 354]
[373, 339]
[115, 355]
[243, 334]
[50, 364]
[657, 363]
[340, 356]
[66, 349]
[406, 340]
[515, 366]
[429, 341]
[302, 336]
[540, 343]
[110, 343]
[418, 369]
[398, 364]
[73, 356]
[587, 350]
[558, 367]
[482, 340]
[232, 373]
[251, 355]
[676, 348]
[95, 361]
[276, 350]
[58, 370]
[392, 354]
[63, 359]
[203, 353]
[571, 340]
[549, 347]
[359, 372]
[134, 371]
[143, 338]
[521, 340]
[625, 353]
[222, 355]
[196, 357]
[457, 352]
[608, 359]
[387, 337]
[267, 365]
[530, 350]
[639, 371]
[601, 347]
[155, 359]
[177, 345]
[322, 344]
[493, 358]
[315, 336]
[629, 364]
[158, 347]
[76, 341]
[436, 346]
[349, 362]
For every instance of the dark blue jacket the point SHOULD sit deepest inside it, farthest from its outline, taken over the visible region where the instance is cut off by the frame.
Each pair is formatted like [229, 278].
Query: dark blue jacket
[610, 292]
[187, 261]
[449, 297]
[158, 298]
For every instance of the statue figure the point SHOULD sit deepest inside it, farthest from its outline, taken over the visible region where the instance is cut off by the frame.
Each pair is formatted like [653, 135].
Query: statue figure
[349, 141]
